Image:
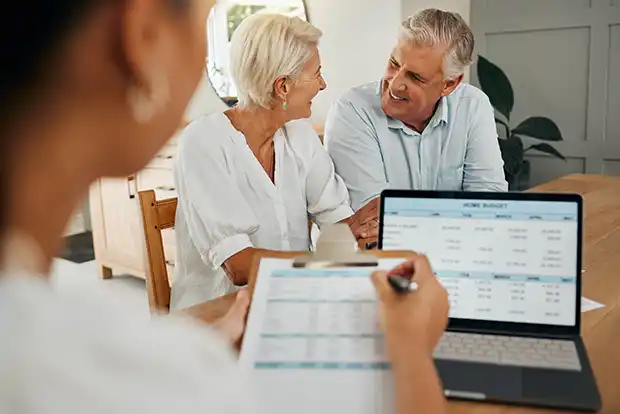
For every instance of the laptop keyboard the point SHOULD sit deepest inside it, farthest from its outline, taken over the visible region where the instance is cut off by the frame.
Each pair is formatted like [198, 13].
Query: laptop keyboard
[508, 350]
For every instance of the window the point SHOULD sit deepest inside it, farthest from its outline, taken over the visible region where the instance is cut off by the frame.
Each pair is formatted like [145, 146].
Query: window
[223, 21]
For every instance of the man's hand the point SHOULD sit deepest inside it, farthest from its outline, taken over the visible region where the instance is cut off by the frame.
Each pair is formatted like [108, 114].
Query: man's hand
[365, 222]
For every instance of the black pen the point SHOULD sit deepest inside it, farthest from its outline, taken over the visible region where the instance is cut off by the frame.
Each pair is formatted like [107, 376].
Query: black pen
[401, 284]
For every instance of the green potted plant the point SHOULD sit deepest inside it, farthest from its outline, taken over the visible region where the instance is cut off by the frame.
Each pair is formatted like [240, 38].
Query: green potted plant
[495, 83]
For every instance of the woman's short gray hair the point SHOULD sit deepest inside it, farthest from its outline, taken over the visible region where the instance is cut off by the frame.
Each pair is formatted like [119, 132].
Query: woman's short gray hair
[432, 27]
[265, 47]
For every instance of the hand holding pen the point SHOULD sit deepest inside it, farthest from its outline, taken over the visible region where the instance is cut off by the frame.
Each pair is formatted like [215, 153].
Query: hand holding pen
[413, 304]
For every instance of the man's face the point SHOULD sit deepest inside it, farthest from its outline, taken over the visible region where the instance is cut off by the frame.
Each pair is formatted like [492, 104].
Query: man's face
[413, 82]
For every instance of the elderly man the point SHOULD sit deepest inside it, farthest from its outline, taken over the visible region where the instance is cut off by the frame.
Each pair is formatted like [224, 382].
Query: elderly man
[419, 127]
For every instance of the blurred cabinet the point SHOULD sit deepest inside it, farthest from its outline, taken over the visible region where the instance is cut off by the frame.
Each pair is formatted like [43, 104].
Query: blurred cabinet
[118, 235]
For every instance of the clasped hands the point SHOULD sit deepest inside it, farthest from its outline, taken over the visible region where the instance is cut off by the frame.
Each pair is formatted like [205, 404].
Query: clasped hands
[364, 224]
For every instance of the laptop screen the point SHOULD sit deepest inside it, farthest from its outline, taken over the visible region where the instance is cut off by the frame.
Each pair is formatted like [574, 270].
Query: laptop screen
[499, 260]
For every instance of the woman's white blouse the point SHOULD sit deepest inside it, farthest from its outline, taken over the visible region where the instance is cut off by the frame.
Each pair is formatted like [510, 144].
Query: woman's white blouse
[79, 351]
[228, 203]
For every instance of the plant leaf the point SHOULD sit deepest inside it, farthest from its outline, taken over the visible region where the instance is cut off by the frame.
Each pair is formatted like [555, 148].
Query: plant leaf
[512, 153]
[496, 85]
[548, 149]
[505, 126]
[539, 127]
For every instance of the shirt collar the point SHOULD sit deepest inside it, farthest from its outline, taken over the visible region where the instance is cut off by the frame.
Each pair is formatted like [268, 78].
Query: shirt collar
[439, 117]
[441, 114]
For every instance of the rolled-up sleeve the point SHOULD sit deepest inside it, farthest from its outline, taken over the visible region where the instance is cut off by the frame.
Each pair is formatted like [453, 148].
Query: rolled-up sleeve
[326, 194]
[218, 218]
[484, 167]
[352, 143]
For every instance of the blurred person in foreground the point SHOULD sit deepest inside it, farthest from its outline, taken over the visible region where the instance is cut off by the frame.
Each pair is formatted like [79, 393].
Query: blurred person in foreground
[93, 88]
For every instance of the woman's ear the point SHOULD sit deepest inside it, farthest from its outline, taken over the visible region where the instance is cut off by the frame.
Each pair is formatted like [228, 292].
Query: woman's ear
[144, 46]
[140, 33]
[281, 88]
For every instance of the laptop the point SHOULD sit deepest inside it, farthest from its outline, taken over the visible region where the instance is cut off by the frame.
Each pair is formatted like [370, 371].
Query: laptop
[511, 263]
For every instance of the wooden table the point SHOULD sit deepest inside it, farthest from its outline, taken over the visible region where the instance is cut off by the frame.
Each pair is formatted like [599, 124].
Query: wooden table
[601, 282]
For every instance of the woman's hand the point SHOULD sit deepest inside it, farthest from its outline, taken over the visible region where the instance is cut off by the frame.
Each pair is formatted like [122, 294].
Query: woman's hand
[232, 325]
[415, 320]
[413, 324]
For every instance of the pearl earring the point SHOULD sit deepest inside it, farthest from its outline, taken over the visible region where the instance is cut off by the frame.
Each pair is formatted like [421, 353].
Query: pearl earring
[141, 106]
[144, 105]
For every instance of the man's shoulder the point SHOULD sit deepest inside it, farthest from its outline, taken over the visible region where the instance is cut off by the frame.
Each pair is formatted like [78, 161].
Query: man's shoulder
[467, 104]
[364, 96]
[468, 94]
[362, 99]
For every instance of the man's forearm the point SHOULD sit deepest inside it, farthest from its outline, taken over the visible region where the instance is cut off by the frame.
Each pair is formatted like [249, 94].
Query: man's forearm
[418, 387]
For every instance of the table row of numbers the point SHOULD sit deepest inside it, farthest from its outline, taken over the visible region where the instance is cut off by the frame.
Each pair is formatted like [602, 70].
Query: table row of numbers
[524, 302]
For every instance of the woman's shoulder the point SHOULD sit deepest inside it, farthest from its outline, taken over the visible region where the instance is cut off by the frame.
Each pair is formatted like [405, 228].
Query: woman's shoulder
[301, 127]
[208, 132]
[100, 340]
[88, 313]
[302, 136]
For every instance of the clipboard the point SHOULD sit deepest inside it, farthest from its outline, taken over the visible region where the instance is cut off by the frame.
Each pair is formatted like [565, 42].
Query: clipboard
[313, 325]
[336, 246]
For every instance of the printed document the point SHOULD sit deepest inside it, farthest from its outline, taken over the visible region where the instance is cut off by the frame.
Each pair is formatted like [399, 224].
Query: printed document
[313, 342]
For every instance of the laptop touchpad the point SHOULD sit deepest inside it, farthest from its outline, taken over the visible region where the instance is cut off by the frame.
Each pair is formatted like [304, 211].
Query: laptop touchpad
[494, 381]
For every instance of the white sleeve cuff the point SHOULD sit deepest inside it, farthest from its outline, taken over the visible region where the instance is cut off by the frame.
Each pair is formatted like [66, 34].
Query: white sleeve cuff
[367, 200]
[333, 216]
[227, 248]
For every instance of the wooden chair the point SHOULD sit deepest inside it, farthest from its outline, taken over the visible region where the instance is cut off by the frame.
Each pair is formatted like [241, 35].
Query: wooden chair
[157, 216]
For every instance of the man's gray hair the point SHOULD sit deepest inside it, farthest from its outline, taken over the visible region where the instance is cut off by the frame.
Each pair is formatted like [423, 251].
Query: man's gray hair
[432, 27]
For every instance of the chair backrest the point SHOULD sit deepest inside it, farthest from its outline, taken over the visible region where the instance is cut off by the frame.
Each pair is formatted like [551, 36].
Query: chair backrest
[157, 216]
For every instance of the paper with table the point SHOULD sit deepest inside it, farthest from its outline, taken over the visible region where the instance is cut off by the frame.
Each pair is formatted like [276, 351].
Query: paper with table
[313, 341]
[588, 305]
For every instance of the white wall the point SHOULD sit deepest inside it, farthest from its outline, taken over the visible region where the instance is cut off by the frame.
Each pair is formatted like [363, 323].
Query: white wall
[205, 101]
[461, 7]
[584, 102]
[358, 36]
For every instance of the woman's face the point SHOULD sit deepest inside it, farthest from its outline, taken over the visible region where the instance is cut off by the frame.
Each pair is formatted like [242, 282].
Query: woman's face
[169, 54]
[307, 86]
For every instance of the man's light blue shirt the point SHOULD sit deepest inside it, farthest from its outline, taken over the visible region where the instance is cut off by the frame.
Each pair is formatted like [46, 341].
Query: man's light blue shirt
[458, 149]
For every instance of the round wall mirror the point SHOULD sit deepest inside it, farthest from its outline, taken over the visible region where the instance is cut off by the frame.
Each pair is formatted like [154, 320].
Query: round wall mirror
[223, 21]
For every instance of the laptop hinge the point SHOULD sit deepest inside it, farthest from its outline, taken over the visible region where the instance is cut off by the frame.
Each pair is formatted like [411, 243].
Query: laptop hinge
[513, 333]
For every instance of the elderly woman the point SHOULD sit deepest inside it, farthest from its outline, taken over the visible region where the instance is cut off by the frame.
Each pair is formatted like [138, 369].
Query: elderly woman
[249, 178]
